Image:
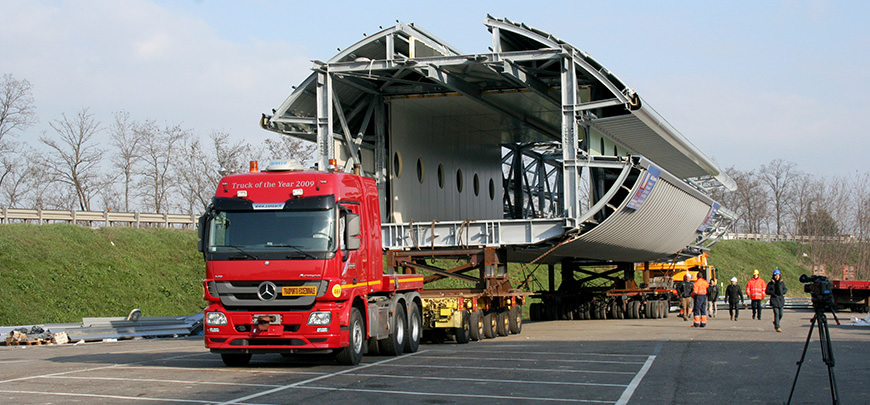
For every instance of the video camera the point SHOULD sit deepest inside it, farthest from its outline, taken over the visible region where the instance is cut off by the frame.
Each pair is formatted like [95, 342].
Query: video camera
[819, 288]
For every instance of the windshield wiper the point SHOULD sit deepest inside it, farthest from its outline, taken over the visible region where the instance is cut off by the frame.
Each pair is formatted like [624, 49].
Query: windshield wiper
[245, 254]
[297, 249]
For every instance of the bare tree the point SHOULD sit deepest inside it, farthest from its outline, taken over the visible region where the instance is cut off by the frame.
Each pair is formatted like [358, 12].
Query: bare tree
[127, 141]
[779, 177]
[76, 154]
[16, 113]
[749, 200]
[160, 150]
[16, 105]
[288, 147]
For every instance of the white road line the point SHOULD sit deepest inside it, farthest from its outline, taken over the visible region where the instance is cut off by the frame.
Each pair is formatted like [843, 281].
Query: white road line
[629, 391]
[300, 383]
[534, 360]
[512, 369]
[464, 379]
[443, 394]
[158, 380]
[552, 353]
[120, 397]
[222, 369]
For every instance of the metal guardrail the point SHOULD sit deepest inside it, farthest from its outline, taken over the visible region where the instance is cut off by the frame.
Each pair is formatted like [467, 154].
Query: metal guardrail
[96, 218]
[792, 238]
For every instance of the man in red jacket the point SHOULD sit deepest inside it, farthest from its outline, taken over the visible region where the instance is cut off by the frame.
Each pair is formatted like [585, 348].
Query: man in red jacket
[755, 289]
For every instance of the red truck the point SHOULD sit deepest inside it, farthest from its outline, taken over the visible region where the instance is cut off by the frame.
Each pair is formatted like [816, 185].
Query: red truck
[294, 264]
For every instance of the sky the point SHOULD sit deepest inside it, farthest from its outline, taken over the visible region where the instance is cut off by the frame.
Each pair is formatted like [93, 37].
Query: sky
[746, 82]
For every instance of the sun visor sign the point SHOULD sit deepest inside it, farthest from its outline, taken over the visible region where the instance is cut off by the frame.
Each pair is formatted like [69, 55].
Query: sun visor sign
[710, 214]
[650, 178]
[268, 206]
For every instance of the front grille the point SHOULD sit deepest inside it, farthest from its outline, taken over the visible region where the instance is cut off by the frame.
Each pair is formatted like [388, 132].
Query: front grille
[237, 295]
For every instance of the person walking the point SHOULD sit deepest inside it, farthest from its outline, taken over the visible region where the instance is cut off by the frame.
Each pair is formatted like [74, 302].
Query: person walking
[699, 292]
[776, 290]
[755, 288]
[712, 296]
[684, 290]
[732, 293]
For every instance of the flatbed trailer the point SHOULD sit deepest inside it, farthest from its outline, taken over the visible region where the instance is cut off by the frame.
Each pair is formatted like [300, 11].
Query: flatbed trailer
[491, 307]
[852, 294]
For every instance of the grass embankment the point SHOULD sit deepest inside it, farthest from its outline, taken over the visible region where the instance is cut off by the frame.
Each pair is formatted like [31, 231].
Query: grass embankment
[61, 273]
[738, 258]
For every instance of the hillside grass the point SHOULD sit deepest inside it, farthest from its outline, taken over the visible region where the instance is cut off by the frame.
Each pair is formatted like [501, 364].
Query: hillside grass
[62, 273]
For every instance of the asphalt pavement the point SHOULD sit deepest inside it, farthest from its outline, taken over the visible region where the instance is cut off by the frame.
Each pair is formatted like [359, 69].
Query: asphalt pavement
[641, 361]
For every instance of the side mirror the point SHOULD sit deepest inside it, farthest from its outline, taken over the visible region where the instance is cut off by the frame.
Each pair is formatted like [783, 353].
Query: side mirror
[200, 231]
[352, 232]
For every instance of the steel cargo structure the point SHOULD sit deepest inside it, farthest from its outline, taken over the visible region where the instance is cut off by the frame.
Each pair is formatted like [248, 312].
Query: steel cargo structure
[534, 147]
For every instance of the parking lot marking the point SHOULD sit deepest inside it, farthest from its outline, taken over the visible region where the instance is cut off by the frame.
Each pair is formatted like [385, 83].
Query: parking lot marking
[120, 397]
[300, 383]
[549, 370]
[629, 391]
[552, 353]
[223, 369]
[164, 381]
[444, 394]
[486, 380]
[534, 360]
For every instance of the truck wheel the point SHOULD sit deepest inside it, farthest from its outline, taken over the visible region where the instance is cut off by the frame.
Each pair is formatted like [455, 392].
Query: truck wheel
[463, 333]
[666, 308]
[415, 329]
[648, 310]
[516, 320]
[352, 354]
[393, 345]
[476, 321]
[503, 327]
[620, 312]
[236, 359]
[489, 322]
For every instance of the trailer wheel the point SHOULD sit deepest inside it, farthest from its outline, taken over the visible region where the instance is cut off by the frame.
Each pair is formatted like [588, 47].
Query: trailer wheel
[602, 311]
[393, 345]
[533, 311]
[633, 312]
[352, 354]
[648, 310]
[236, 359]
[666, 308]
[489, 322]
[503, 326]
[476, 321]
[463, 332]
[620, 310]
[415, 329]
[614, 308]
[516, 320]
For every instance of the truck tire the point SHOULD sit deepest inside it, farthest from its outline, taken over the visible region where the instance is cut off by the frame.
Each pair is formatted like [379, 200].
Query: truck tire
[516, 320]
[415, 329]
[236, 359]
[648, 310]
[666, 308]
[489, 322]
[463, 333]
[534, 311]
[393, 345]
[352, 354]
[503, 326]
[620, 310]
[476, 321]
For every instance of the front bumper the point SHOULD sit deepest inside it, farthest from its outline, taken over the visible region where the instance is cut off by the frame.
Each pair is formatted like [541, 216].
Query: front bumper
[288, 331]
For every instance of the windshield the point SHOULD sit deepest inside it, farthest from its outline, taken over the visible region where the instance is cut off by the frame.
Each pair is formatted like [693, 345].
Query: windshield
[251, 234]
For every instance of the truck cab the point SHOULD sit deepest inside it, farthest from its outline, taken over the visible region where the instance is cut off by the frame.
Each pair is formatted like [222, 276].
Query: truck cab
[294, 265]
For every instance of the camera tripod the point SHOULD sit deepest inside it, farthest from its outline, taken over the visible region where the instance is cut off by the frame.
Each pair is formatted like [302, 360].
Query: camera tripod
[827, 351]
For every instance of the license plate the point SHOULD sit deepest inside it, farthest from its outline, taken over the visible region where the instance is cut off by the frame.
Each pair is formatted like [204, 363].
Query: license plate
[296, 291]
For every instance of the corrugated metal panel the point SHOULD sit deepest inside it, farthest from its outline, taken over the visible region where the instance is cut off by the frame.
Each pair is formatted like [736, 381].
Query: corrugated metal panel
[665, 223]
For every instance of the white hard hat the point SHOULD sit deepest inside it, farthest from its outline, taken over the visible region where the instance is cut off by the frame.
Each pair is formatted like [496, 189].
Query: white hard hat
[734, 279]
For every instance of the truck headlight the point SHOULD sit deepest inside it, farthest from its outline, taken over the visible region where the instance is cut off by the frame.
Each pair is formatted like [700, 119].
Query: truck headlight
[215, 318]
[320, 318]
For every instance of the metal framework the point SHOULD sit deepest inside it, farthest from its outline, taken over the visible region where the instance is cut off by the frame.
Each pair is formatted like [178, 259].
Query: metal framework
[586, 168]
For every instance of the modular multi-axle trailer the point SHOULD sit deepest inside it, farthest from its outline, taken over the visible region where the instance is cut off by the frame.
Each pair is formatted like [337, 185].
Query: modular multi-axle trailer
[530, 153]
